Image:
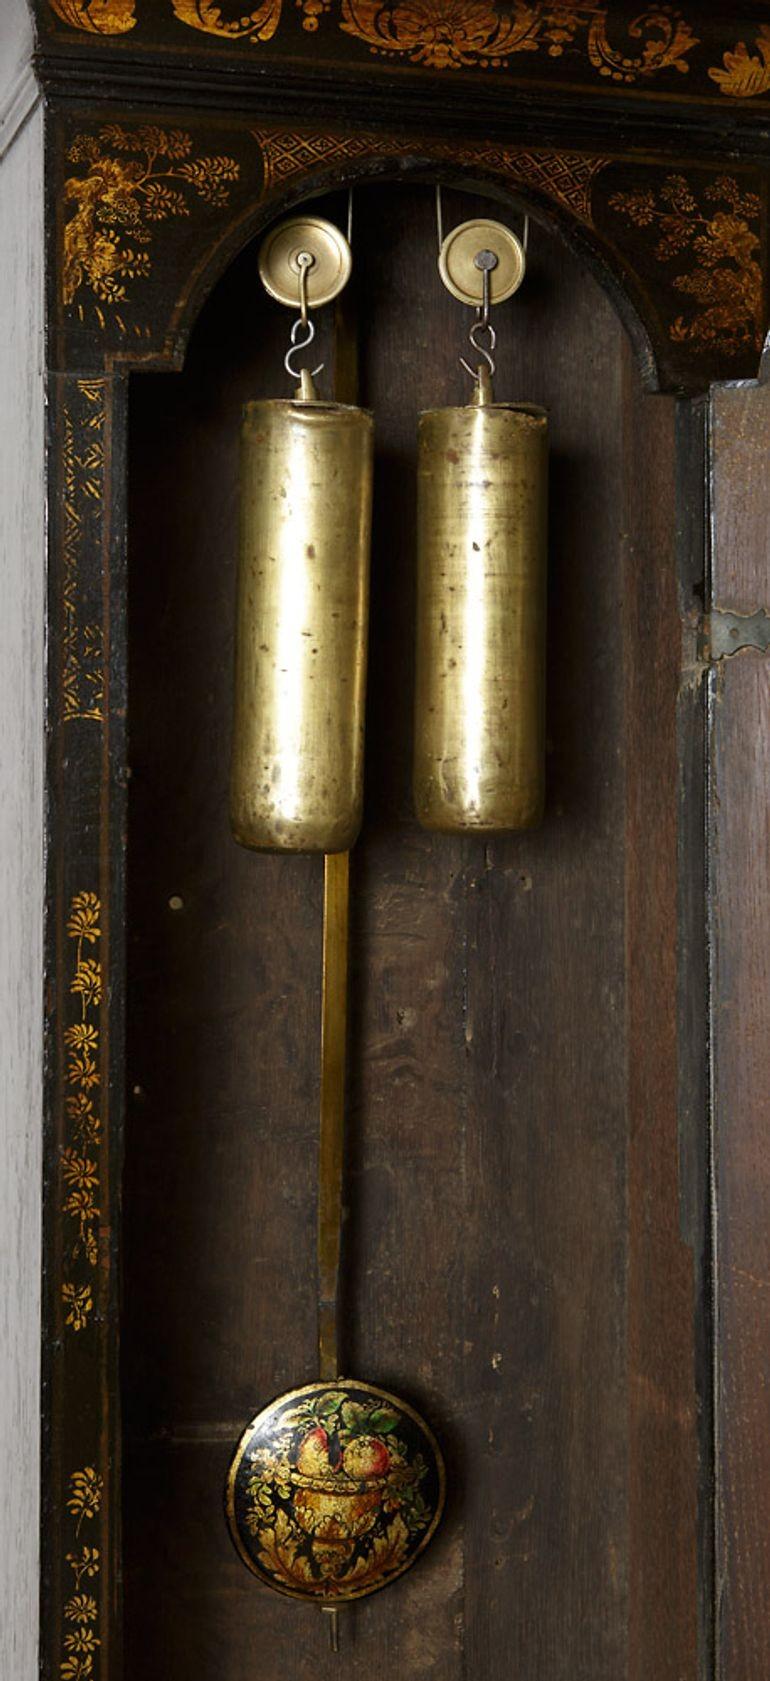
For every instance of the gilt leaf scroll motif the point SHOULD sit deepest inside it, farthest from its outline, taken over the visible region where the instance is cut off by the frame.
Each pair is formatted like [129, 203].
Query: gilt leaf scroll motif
[457, 34]
[742, 74]
[437, 34]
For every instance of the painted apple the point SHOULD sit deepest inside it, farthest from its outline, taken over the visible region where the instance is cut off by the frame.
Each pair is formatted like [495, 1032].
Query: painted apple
[366, 1456]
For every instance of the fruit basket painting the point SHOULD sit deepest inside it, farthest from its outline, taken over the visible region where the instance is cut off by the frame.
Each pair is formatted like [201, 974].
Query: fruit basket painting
[334, 1490]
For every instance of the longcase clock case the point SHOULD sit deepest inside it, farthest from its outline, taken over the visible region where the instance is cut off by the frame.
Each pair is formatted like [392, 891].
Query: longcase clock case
[549, 1137]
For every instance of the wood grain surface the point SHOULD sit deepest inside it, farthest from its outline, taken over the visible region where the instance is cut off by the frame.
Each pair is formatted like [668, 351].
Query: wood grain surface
[514, 1259]
[740, 507]
[739, 757]
[663, 1289]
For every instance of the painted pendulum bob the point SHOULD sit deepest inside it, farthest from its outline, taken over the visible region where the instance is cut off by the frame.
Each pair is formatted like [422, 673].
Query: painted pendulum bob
[336, 1487]
[334, 1491]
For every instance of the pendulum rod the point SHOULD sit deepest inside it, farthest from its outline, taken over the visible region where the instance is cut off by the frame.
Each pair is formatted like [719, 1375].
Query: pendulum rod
[334, 997]
[332, 1121]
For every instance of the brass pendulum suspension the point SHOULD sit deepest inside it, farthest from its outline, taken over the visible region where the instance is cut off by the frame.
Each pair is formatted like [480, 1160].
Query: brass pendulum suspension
[481, 586]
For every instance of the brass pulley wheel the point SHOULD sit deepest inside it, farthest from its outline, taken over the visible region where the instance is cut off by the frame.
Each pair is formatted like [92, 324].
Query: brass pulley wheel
[465, 255]
[285, 251]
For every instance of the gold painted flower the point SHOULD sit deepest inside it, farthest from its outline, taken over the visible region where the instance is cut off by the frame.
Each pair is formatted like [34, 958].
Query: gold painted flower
[81, 1203]
[86, 1489]
[640, 206]
[82, 1037]
[83, 922]
[78, 1105]
[82, 1640]
[76, 1668]
[86, 1125]
[82, 1607]
[82, 1071]
[727, 236]
[88, 982]
[80, 1302]
[84, 1563]
[79, 1171]
[449, 35]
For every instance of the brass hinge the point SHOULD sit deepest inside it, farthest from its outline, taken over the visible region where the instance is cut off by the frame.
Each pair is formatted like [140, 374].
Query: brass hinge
[726, 633]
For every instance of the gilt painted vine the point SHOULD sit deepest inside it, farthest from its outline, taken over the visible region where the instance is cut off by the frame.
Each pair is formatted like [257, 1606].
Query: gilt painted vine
[80, 1635]
[80, 1155]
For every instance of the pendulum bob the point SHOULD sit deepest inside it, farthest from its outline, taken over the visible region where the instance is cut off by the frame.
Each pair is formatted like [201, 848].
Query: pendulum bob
[481, 601]
[302, 619]
[334, 1491]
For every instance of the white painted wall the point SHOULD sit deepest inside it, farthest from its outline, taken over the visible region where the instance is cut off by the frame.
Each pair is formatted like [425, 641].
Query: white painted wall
[22, 625]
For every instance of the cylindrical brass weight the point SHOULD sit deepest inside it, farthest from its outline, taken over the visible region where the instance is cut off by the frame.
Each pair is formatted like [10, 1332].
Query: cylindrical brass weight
[481, 595]
[303, 602]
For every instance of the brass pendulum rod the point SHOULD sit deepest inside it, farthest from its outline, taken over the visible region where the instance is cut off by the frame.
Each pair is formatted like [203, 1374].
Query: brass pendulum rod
[334, 995]
[331, 1137]
[332, 1127]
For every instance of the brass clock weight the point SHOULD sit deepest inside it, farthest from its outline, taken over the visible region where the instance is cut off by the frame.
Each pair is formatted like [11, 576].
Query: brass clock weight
[481, 572]
[337, 1487]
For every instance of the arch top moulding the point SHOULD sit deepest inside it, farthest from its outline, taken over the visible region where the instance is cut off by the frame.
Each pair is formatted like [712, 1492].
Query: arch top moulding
[149, 213]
